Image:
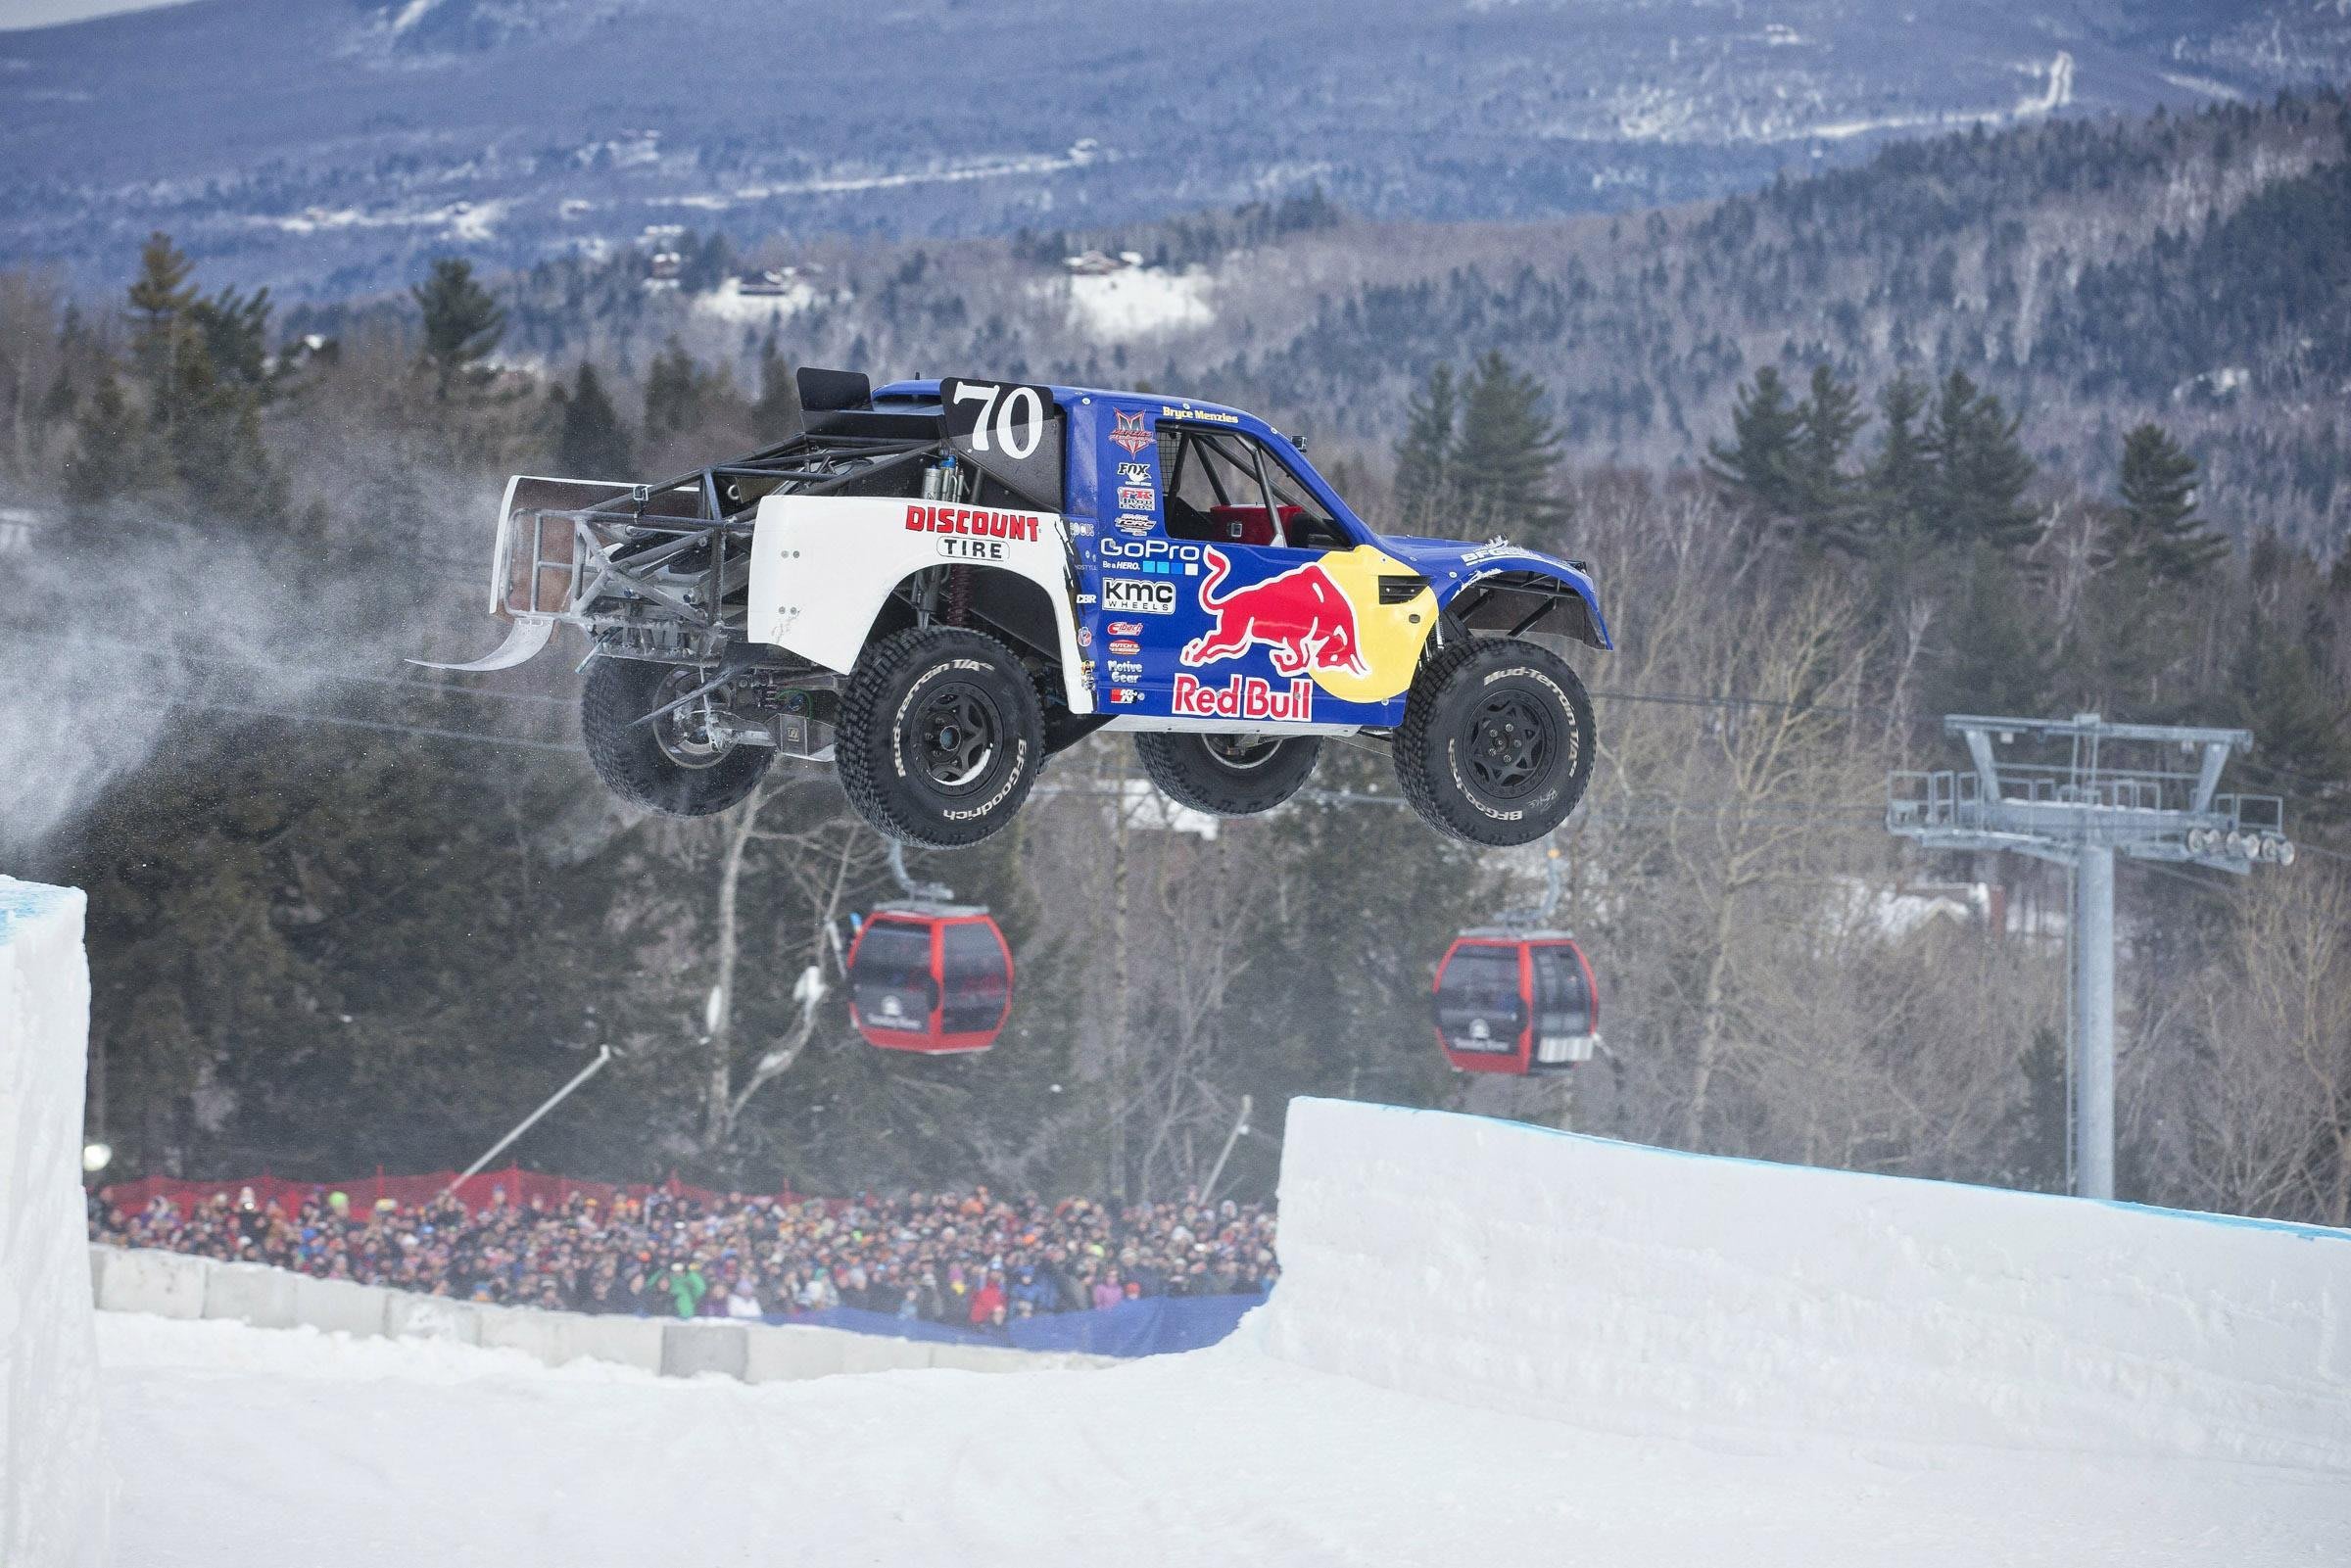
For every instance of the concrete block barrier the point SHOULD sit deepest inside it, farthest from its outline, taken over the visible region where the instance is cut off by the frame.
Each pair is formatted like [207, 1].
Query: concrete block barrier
[341, 1306]
[250, 1293]
[988, 1359]
[513, 1328]
[796, 1354]
[875, 1353]
[411, 1316]
[635, 1342]
[689, 1350]
[143, 1280]
[174, 1285]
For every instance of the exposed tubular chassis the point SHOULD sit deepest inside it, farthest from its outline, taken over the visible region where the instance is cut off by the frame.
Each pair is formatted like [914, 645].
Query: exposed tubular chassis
[658, 571]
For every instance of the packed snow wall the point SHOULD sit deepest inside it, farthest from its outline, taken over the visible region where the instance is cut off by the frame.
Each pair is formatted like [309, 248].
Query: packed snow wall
[54, 1475]
[1643, 1290]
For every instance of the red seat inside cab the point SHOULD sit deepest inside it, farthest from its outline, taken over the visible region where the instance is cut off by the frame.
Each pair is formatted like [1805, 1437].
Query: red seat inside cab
[1249, 525]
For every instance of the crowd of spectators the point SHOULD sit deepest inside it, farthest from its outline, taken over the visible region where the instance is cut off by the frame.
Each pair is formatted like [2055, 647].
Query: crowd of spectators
[970, 1258]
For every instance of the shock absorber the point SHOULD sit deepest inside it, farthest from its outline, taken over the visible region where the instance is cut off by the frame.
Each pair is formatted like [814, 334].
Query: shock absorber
[943, 481]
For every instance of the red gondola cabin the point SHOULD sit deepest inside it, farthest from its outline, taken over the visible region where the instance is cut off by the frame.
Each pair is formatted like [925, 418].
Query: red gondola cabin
[931, 979]
[1516, 1002]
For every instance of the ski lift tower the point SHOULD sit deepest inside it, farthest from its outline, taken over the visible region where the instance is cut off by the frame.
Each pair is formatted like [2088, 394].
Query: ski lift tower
[2079, 812]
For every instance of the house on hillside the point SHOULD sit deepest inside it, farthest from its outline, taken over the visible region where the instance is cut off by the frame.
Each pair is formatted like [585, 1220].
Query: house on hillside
[1101, 263]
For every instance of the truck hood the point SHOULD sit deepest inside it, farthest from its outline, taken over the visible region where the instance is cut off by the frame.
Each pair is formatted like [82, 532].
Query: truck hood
[1451, 562]
[1452, 565]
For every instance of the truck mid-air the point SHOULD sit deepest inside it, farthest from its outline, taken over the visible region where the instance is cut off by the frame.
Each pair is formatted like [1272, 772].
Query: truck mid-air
[934, 586]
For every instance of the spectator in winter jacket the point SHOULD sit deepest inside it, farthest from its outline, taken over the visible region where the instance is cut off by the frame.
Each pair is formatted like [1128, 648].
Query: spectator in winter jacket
[685, 1287]
[988, 1302]
[1035, 1290]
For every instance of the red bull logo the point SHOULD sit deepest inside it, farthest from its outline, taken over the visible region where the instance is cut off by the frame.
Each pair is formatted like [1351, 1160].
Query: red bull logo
[1245, 696]
[1301, 615]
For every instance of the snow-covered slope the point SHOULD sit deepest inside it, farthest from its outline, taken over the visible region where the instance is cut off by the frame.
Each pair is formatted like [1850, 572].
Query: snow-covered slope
[1493, 1345]
[53, 1472]
[1646, 1291]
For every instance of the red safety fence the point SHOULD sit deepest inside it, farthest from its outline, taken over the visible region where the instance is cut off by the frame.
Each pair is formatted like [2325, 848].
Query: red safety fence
[513, 1186]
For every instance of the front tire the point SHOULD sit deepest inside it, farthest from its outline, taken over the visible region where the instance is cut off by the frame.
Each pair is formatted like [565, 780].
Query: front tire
[940, 736]
[671, 765]
[1497, 741]
[1228, 775]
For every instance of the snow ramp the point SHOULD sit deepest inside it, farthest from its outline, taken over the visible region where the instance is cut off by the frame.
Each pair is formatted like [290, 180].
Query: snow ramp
[53, 1469]
[1649, 1291]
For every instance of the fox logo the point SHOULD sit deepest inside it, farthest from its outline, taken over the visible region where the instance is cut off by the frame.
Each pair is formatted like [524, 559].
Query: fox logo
[1300, 614]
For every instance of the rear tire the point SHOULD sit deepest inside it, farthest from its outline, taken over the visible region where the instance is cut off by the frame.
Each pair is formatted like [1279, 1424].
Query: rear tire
[940, 736]
[1497, 741]
[664, 766]
[1221, 775]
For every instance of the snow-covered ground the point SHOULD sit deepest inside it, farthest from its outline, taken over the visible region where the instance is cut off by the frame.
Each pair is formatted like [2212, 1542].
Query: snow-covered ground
[244, 1447]
[1490, 1345]
[1140, 303]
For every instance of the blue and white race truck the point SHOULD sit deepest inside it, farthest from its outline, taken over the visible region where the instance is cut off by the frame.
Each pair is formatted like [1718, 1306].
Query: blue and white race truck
[936, 585]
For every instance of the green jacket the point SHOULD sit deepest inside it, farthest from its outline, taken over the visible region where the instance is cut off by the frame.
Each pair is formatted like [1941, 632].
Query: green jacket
[687, 1290]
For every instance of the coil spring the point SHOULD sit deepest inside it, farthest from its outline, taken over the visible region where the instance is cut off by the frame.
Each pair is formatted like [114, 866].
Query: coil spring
[959, 595]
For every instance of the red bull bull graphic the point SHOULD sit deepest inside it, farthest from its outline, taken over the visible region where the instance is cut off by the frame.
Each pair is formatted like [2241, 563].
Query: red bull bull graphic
[1301, 614]
[1245, 696]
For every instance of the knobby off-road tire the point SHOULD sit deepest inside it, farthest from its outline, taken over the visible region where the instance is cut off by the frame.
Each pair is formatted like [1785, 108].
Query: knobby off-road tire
[1226, 775]
[1497, 741]
[660, 766]
[940, 736]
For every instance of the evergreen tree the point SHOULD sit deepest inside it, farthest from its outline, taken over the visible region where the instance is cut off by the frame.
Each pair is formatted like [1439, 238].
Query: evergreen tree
[1823, 493]
[673, 393]
[1996, 653]
[2158, 527]
[2037, 1121]
[2301, 726]
[233, 329]
[1507, 448]
[1983, 470]
[774, 416]
[1898, 488]
[113, 453]
[1425, 455]
[200, 434]
[1761, 460]
[215, 446]
[160, 299]
[590, 442]
[462, 325]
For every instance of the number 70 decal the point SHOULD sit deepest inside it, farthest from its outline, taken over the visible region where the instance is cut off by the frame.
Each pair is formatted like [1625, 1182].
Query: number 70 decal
[1017, 415]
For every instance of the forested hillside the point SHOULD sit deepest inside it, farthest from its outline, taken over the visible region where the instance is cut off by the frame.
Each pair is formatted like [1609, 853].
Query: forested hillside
[327, 147]
[2191, 270]
[1890, 464]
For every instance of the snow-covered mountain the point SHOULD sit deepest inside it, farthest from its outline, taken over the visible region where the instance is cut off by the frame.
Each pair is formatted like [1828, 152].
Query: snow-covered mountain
[324, 145]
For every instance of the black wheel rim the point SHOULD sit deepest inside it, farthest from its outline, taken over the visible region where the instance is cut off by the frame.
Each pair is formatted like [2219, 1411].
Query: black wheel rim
[1512, 739]
[1240, 753]
[684, 734]
[957, 736]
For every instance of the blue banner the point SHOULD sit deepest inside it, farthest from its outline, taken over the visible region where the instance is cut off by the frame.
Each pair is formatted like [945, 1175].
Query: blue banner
[1151, 1325]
